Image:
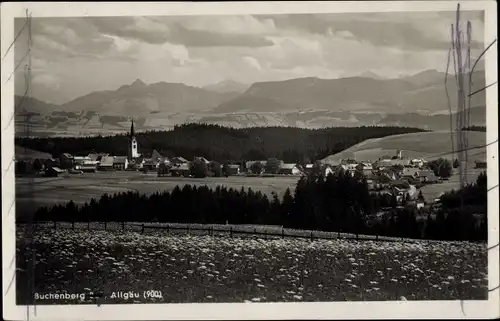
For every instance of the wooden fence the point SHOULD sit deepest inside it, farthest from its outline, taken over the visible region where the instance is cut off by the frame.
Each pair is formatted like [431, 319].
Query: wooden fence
[266, 232]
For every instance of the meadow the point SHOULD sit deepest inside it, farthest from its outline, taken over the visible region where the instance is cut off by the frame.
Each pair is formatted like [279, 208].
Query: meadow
[428, 145]
[31, 194]
[201, 268]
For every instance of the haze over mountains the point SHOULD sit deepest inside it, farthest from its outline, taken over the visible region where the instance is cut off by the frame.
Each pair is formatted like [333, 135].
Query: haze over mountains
[419, 101]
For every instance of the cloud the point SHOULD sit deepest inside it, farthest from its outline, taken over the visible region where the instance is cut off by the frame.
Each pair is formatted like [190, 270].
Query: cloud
[415, 31]
[188, 31]
[79, 55]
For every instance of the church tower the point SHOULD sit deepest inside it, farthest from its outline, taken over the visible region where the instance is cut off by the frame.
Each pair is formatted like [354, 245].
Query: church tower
[132, 149]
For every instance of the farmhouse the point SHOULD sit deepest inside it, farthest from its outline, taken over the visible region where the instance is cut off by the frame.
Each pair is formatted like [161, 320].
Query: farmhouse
[54, 171]
[179, 160]
[427, 176]
[79, 160]
[410, 174]
[120, 162]
[308, 168]
[155, 155]
[96, 157]
[325, 169]
[180, 170]
[30, 161]
[350, 169]
[202, 159]
[290, 169]
[151, 164]
[328, 170]
[364, 168]
[248, 165]
[88, 166]
[417, 162]
[387, 163]
[66, 160]
[106, 163]
[232, 169]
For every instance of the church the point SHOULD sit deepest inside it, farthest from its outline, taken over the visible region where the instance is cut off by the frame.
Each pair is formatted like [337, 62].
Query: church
[132, 144]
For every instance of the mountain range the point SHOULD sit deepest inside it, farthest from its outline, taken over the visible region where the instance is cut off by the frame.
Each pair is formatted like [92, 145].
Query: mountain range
[418, 100]
[227, 86]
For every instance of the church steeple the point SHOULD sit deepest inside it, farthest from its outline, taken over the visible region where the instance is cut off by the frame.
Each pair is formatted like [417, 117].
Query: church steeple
[132, 147]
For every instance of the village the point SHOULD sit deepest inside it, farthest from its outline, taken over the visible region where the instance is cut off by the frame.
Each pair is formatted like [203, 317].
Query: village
[394, 175]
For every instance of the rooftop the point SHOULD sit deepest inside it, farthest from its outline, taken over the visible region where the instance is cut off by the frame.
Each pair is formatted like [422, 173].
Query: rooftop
[120, 159]
[107, 161]
[288, 166]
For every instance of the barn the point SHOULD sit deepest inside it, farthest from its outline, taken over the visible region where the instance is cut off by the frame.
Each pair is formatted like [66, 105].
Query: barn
[290, 169]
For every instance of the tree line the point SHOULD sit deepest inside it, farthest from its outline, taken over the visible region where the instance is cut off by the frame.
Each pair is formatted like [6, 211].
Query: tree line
[222, 144]
[334, 203]
[442, 167]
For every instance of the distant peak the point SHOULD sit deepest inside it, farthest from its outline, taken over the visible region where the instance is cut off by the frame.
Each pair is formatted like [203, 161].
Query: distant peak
[138, 83]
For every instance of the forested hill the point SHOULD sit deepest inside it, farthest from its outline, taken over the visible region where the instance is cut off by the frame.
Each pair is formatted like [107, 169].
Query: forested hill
[223, 144]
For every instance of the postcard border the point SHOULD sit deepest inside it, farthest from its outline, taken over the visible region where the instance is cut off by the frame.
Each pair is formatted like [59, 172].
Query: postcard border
[328, 310]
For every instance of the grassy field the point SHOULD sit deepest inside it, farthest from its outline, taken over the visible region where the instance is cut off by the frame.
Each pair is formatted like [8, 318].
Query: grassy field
[30, 194]
[429, 145]
[433, 191]
[196, 268]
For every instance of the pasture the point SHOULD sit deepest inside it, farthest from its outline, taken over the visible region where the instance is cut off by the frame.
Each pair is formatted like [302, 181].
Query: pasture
[33, 193]
[427, 145]
[197, 268]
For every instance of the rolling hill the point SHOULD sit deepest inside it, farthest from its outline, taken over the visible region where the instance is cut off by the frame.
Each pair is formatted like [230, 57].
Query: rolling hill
[427, 145]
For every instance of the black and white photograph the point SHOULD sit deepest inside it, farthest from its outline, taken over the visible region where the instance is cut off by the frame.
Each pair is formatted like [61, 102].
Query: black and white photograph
[248, 153]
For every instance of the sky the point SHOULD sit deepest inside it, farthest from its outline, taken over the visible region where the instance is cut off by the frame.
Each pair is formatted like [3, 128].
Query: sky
[74, 56]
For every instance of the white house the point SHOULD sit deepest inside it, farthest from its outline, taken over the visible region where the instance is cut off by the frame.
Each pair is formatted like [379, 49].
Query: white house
[88, 166]
[120, 162]
[290, 169]
[417, 162]
[79, 160]
[328, 170]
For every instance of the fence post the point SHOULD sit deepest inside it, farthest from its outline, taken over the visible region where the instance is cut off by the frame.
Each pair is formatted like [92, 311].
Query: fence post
[357, 236]
[212, 231]
[231, 232]
[311, 236]
[376, 237]
[105, 225]
[282, 233]
[168, 228]
[88, 225]
[338, 234]
[123, 225]
[55, 225]
[255, 232]
[73, 225]
[142, 228]
[188, 229]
